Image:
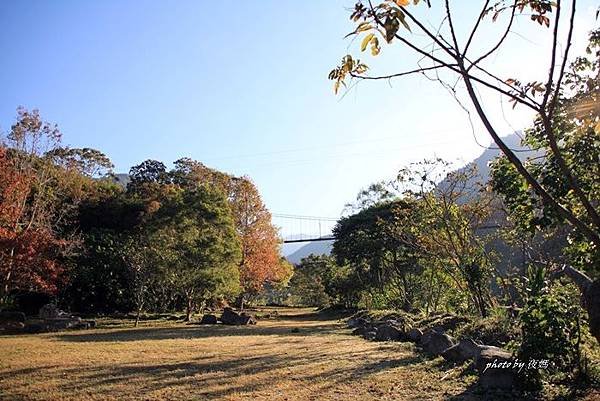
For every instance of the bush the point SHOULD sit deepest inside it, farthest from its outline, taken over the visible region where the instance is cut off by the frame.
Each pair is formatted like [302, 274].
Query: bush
[498, 330]
[550, 325]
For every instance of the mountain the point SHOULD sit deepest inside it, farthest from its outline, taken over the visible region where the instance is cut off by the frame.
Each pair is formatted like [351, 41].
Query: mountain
[316, 248]
[122, 179]
[295, 252]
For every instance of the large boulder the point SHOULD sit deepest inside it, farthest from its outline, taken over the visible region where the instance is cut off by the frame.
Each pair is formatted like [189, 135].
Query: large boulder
[360, 331]
[495, 368]
[435, 342]
[356, 322]
[10, 316]
[208, 319]
[230, 317]
[388, 332]
[370, 334]
[50, 311]
[465, 349]
[8, 327]
[414, 335]
[245, 319]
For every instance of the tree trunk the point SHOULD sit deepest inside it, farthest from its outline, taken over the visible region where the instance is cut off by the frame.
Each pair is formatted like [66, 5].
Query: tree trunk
[137, 316]
[189, 310]
[590, 294]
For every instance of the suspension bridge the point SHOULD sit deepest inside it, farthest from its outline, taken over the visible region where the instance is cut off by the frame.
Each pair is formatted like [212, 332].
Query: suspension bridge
[295, 228]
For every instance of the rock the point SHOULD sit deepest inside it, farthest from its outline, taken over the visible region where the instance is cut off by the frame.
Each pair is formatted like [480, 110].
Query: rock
[245, 319]
[370, 335]
[10, 316]
[232, 318]
[229, 317]
[11, 327]
[388, 332]
[35, 327]
[360, 331]
[50, 311]
[414, 335]
[91, 324]
[466, 349]
[356, 322]
[208, 319]
[435, 342]
[494, 367]
[60, 323]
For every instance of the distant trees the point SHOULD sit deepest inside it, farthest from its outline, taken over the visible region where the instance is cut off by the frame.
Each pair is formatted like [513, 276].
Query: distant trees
[376, 244]
[173, 239]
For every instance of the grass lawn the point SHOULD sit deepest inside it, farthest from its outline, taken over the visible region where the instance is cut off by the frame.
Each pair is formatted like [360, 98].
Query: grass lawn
[298, 356]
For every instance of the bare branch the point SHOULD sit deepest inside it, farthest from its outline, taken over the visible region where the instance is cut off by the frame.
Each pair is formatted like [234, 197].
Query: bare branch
[472, 35]
[400, 74]
[502, 39]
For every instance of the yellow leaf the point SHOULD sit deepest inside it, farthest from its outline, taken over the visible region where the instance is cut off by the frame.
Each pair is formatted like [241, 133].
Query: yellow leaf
[403, 3]
[366, 41]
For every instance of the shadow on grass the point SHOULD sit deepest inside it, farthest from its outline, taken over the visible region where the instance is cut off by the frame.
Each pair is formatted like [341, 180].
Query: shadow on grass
[215, 377]
[197, 331]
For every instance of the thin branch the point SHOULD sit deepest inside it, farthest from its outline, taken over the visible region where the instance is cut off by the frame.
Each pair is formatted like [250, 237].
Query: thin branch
[472, 35]
[400, 74]
[502, 39]
[553, 57]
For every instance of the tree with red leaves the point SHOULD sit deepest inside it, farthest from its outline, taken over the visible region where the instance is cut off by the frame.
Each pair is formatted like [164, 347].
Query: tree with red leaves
[260, 241]
[39, 194]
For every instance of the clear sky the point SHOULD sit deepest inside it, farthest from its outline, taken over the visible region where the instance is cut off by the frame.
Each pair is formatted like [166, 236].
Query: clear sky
[242, 86]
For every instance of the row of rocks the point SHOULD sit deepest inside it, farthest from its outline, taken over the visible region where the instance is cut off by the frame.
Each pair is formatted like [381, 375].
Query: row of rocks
[50, 319]
[229, 317]
[434, 341]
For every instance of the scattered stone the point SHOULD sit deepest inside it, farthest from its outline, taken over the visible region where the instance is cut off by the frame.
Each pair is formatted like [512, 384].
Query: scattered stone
[414, 335]
[388, 332]
[491, 373]
[208, 319]
[435, 342]
[466, 349]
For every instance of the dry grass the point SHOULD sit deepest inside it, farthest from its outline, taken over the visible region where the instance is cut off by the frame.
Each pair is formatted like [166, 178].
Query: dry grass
[298, 356]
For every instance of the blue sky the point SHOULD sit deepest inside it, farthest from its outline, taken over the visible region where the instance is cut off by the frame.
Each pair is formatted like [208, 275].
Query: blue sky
[241, 86]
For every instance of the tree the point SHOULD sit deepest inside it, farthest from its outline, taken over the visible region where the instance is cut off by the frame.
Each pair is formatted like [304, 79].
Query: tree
[260, 242]
[452, 205]
[200, 249]
[260, 262]
[374, 243]
[309, 284]
[393, 21]
[39, 196]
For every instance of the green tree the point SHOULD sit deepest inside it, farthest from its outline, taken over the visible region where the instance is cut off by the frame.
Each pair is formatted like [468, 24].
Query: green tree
[201, 249]
[374, 244]
[308, 285]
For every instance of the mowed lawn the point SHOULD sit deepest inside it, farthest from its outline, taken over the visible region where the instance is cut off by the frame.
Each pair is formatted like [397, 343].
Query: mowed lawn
[298, 356]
